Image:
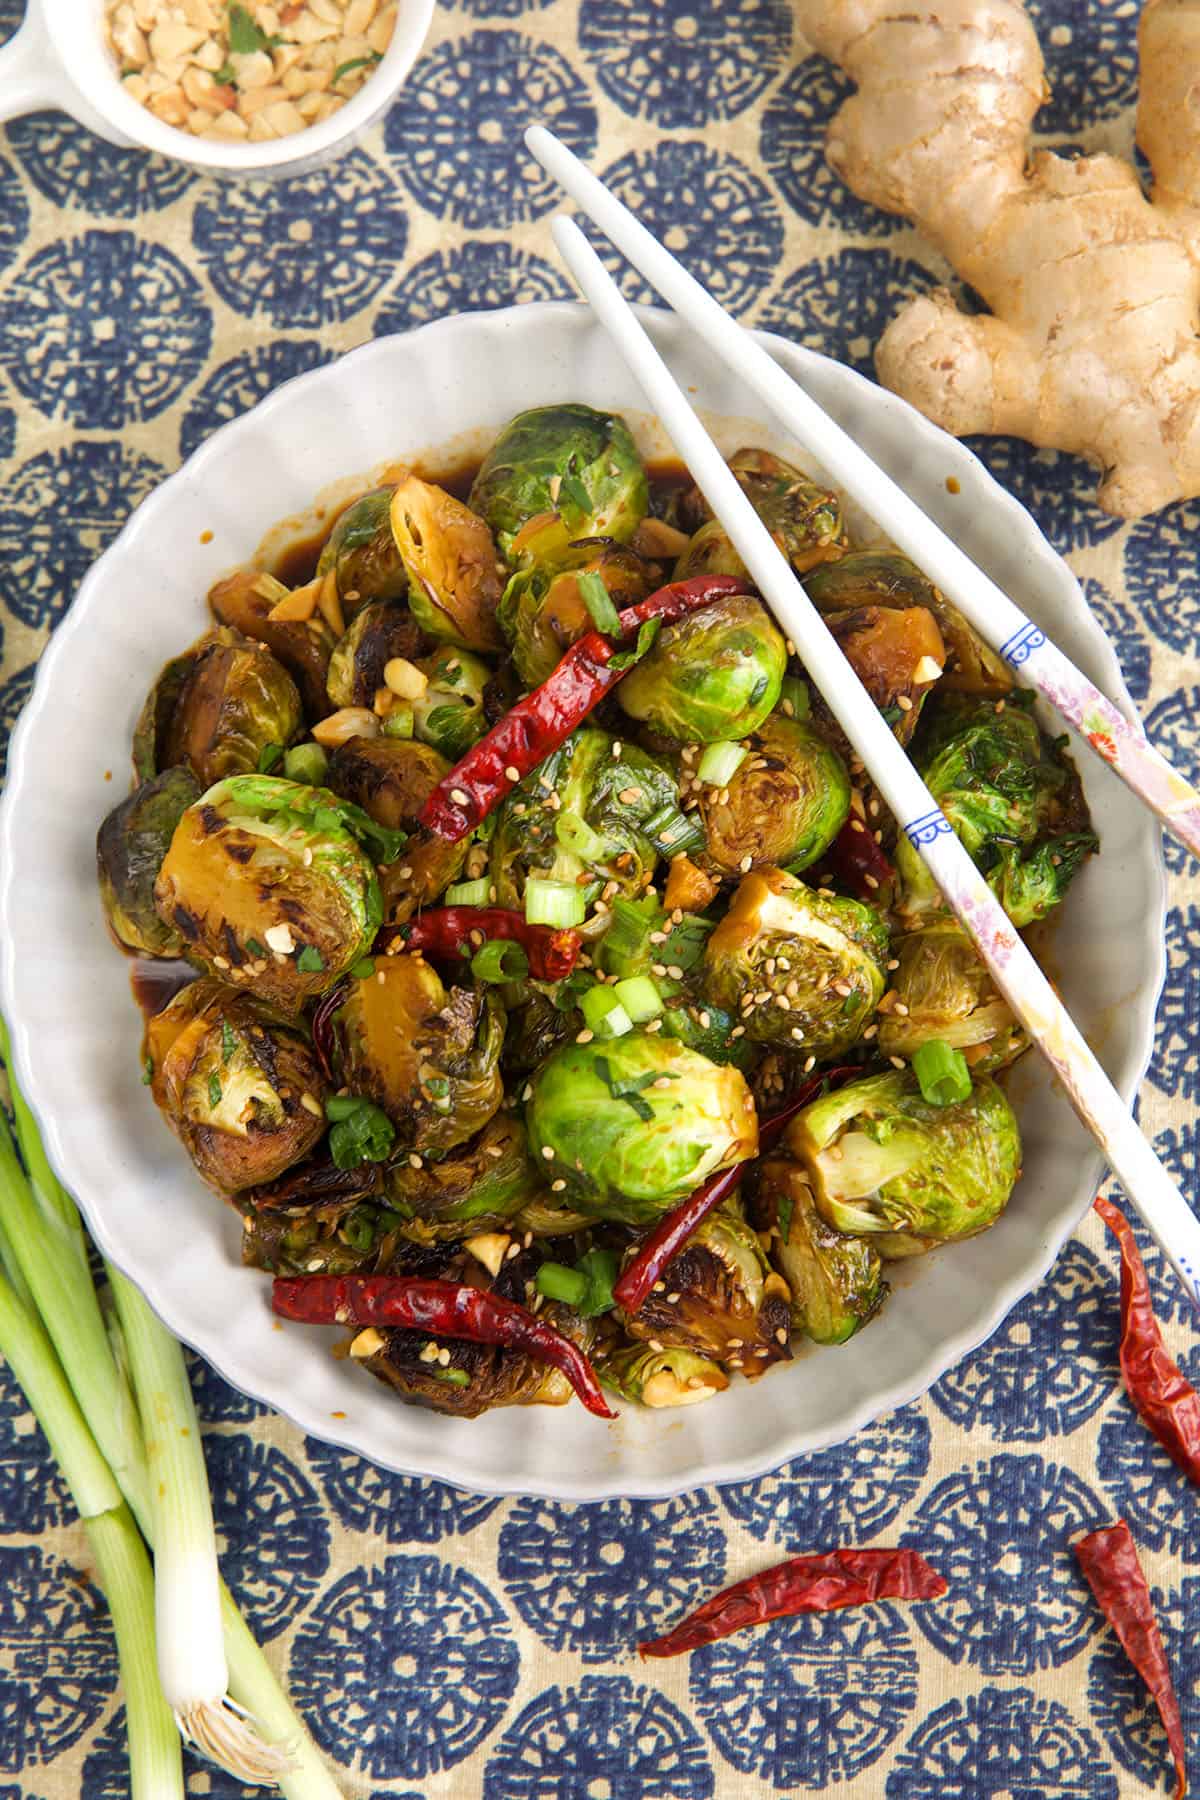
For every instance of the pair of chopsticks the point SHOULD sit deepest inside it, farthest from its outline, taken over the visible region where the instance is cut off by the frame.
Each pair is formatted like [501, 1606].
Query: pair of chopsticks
[1122, 744]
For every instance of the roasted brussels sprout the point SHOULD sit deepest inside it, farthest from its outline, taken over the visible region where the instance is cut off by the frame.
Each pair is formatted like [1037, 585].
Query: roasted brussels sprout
[543, 611]
[716, 674]
[802, 970]
[454, 577]
[1014, 800]
[240, 1085]
[674, 1377]
[836, 1280]
[245, 602]
[804, 519]
[535, 1028]
[634, 1124]
[450, 713]
[336, 1238]
[266, 884]
[570, 460]
[362, 552]
[217, 710]
[898, 657]
[882, 1159]
[478, 1188]
[784, 805]
[428, 1055]
[709, 551]
[378, 632]
[948, 994]
[720, 1298]
[389, 778]
[708, 1028]
[130, 847]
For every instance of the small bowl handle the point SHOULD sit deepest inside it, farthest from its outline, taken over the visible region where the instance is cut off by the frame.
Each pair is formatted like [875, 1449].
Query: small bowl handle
[32, 77]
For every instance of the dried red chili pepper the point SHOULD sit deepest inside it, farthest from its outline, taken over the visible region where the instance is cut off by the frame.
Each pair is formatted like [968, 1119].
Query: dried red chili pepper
[447, 931]
[1109, 1561]
[1162, 1394]
[443, 1309]
[859, 864]
[804, 1584]
[672, 1232]
[535, 727]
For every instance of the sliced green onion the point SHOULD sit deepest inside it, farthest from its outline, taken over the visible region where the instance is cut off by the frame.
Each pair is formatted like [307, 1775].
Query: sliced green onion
[599, 602]
[640, 998]
[499, 961]
[626, 944]
[604, 1013]
[307, 763]
[599, 1269]
[557, 903]
[269, 757]
[558, 1282]
[720, 763]
[453, 1377]
[672, 832]
[794, 697]
[468, 893]
[576, 835]
[364, 968]
[942, 1073]
[400, 721]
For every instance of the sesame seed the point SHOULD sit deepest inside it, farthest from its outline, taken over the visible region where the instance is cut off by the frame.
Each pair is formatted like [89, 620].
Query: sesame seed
[458, 796]
[658, 937]
[770, 965]
[738, 1031]
[658, 968]
[654, 1025]
[810, 1062]
[897, 1062]
[781, 1336]
[746, 864]
[617, 749]
[797, 1034]
[659, 1287]
[843, 988]
[901, 1009]
[526, 1092]
[893, 962]
[548, 1152]
[870, 1031]
[406, 871]
[414, 1161]
[556, 1187]
[656, 1346]
[627, 796]
[494, 1150]
[429, 1352]
[664, 1081]
[512, 773]
[791, 648]
[787, 709]
[783, 1003]
[735, 1362]
[443, 1357]
[311, 1104]
[220, 962]
[674, 971]
[585, 1036]
[609, 889]
[513, 1250]
[856, 824]
[704, 1020]
[870, 880]
[904, 703]
[827, 893]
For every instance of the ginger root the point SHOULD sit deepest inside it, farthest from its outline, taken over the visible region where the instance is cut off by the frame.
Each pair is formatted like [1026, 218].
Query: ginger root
[1092, 342]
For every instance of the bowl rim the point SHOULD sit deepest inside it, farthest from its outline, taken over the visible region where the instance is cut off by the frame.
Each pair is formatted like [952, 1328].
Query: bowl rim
[716, 1471]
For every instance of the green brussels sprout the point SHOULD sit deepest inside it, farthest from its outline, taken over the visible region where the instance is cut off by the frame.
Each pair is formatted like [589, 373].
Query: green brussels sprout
[454, 577]
[897, 655]
[804, 518]
[570, 460]
[581, 793]
[803, 970]
[543, 611]
[721, 1298]
[784, 805]
[881, 1158]
[389, 778]
[674, 1377]
[477, 1188]
[266, 883]
[1014, 800]
[544, 1218]
[708, 1028]
[713, 675]
[130, 847]
[428, 1055]
[377, 633]
[836, 1279]
[634, 1124]
[884, 578]
[362, 552]
[245, 601]
[709, 551]
[355, 1236]
[949, 994]
[449, 714]
[217, 710]
[240, 1085]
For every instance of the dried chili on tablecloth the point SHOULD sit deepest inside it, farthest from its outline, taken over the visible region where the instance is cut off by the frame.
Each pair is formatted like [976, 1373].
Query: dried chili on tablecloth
[443, 1309]
[804, 1584]
[535, 727]
[447, 931]
[1109, 1561]
[1162, 1394]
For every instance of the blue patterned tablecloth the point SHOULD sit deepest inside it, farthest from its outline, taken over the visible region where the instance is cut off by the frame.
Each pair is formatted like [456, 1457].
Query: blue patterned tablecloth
[447, 1645]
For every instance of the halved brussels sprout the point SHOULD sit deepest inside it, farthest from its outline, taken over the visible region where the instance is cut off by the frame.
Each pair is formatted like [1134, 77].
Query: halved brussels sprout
[1014, 800]
[570, 460]
[897, 655]
[428, 1055]
[713, 675]
[478, 1188]
[804, 518]
[450, 713]
[880, 1158]
[784, 805]
[338, 1238]
[667, 1377]
[634, 1124]
[265, 884]
[801, 970]
[543, 612]
[240, 1085]
[836, 1280]
[720, 1298]
[949, 994]
[377, 633]
[454, 577]
[130, 847]
[245, 601]
[709, 551]
[391, 779]
[216, 709]
[363, 552]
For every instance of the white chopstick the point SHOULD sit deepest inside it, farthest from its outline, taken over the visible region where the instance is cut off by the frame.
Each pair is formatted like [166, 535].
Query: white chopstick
[1094, 1098]
[1122, 744]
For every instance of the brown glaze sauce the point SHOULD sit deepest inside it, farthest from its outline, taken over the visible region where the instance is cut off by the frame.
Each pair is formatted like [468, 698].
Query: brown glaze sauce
[156, 981]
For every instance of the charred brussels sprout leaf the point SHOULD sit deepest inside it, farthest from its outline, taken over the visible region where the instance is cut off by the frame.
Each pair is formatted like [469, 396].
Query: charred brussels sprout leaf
[544, 611]
[450, 715]
[801, 970]
[570, 460]
[477, 1188]
[634, 1124]
[217, 710]
[447, 550]
[259, 871]
[376, 634]
[388, 778]
[836, 1280]
[882, 1159]
[950, 996]
[330, 1239]
[715, 674]
[804, 519]
[660, 1378]
[1014, 801]
[708, 1028]
[239, 1084]
[362, 551]
[245, 602]
[130, 847]
[785, 804]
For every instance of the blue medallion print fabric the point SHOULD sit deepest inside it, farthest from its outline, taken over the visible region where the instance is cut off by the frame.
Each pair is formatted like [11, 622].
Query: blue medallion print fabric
[444, 1645]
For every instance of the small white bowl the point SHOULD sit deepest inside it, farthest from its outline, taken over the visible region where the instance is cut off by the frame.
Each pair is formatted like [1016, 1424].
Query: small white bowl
[59, 58]
[449, 387]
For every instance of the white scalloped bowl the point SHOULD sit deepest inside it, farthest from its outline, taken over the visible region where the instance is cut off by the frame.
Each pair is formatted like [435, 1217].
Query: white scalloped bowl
[77, 1031]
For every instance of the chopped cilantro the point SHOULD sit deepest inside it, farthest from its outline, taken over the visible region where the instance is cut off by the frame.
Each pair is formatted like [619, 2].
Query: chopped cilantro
[214, 1091]
[269, 757]
[599, 602]
[576, 493]
[226, 75]
[228, 1041]
[355, 62]
[310, 961]
[245, 36]
[647, 632]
